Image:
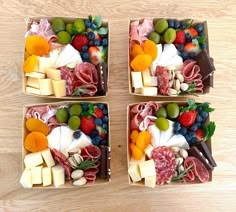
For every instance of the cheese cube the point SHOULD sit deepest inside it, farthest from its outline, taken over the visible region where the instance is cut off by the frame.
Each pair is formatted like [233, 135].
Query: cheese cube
[32, 90]
[44, 63]
[58, 175]
[45, 86]
[147, 168]
[53, 74]
[25, 179]
[149, 91]
[36, 175]
[149, 80]
[148, 150]
[59, 88]
[150, 181]
[47, 156]
[33, 159]
[133, 161]
[134, 172]
[47, 176]
[32, 82]
[137, 81]
[35, 75]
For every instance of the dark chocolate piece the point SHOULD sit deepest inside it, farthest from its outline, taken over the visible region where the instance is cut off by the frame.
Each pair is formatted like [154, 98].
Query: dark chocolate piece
[105, 162]
[193, 151]
[202, 146]
[102, 78]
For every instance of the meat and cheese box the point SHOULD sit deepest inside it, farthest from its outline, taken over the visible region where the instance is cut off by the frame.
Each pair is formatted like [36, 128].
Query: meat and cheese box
[63, 153]
[156, 156]
[159, 50]
[54, 72]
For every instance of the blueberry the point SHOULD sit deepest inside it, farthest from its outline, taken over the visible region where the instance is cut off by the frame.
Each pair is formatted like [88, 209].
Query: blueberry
[77, 134]
[91, 35]
[98, 121]
[104, 126]
[94, 133]
[184, 55]
[198, 124]
[171, 23]
[188, 37]
[199, 27]
[176, 132]
[201, 33]
[85, 56]
[85, 106]
[199, 119]
[97, 42]
[203, 45]
[183, 25]
[192, 55]
[176, 24]
[105, 119]
[87, 23]
[93, 26]
[199, 109]
[192, 135]
[183, 131]
[104, 142]
[204, 114]
[180, 47]
[104, 42]
[91, 43]
[192, 141]
[187, 138]
[105, 112]
[177, 126]
[194, 128]
[100, 105]
[84, 48]
[96, 140]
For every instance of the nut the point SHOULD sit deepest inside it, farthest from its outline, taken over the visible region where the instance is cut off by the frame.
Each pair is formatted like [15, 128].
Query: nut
[177, 84]
[181, 168]
[175, 149]
[173, 74]
[176, 174]
[184, 86]
[172, 92]
[170, 74]
[78, 158]
[80, 181]
[179, 161]
[171, 82]
[75, 150]
[177, 72]
[183, 153]
[65, 153]
[72, 162]
[180, 77]
[77, 174]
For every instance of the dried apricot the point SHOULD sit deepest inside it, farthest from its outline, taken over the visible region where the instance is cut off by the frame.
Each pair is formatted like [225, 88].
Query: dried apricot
[149, 47]
[141, 62]
[137, 153]
[135, 50]
[143, 139]
[33, 124]
[27, 54]
[134, 135]
[30, 63]
[36, 45]
[36, 142]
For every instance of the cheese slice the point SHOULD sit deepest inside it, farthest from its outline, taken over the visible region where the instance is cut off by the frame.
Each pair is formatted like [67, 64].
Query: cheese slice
[58, 175]
[35, 75]
[53, 74]
[26, 180]
[148, 150]
[32, 82]
[149, 80]
[136, 78]
[54, 138]
[47, 176]
[168, 52]
[150, 181]
[32, 90]
[66, 138]
[47, 156]
[36, 175]
[33, 159]
[134, 173]
[179, 141]
[45, 86]
[80, 143]
[149, 91]
[59, 88]
[147, 168]
[156, 133]
[156, 61]
[166, 135]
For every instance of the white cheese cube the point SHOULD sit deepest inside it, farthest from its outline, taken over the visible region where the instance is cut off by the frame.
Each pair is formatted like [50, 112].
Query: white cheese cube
[150, 181]
[32, 82]
[134, 173]
[47, 156]
[147, 168]
[45, 86]
[149, 80]
[44, 64]
[53, 74]
[35, 75]
[149, 91]
[58, 175]
[47, 176]
[148, 151]
[36, 175]
[133, 161]
[25, 179]
[32, 90]
[136, 78]
[33, 159]
[59, 88]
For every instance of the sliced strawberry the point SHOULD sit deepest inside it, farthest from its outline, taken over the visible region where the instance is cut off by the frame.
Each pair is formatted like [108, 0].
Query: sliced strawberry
[102, 132]
[193, 32]
[192, 48]
[87, 124]
[98, 37]
[199, 134]
[97, 54]
[180, 37]
[79, 41]
[98, 113]
[187, 118]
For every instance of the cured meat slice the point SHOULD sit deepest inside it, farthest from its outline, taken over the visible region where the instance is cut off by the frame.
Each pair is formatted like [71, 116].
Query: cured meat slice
[145, 28]
[92, 152]
[69, 78]
[92, 171]
[163, 80]
[134, 36]
[197, 170]
[165, 164]
[148, 120]
[86, 90]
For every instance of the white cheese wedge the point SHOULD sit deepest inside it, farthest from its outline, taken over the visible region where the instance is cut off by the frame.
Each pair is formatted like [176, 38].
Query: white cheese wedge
[134, 162]
[58, 175]
[36, 175]
[155, 62]
[32, 90]
[35, 75]
[44, 64]
[26, 180]
[148, 80]
[54, 138]
[47, 176]
[168, 52]
[150, 181]
[80, 143]
[53, 74]
[66, 138]
[134, 173]
[149, 91]
[136, 78]
[45, 86]
[47, 156]
[54, 55]
[59, 88]
[179, 141]
[147, 168]
[32, 82]
[156, 133]
[148, 151]
[175, 61]
[166, 135]
[33, 159]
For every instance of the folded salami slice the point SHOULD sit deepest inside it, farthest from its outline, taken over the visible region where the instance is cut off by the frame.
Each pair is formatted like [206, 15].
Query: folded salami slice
[92, 152]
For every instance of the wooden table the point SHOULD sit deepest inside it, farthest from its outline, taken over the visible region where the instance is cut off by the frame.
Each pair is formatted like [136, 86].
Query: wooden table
[218, 195]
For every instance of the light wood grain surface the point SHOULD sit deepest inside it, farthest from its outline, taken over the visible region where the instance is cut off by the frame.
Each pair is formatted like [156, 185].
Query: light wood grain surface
[219, 195]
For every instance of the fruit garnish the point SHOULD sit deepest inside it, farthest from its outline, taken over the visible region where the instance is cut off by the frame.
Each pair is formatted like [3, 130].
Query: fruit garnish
[161, 112]
[187, 118]
[193, 32]
[62, 115]
[79, 25]
[63, 37]
[97, 54]
[79, 41]
[77, 134]
[169, 35]
[87, 124]
[137, 153]
[180, 37]
[192, 47]
[74, 122]
[161, 25]
[149, 47]
[101, 131]
[143, 140]
[162, 123]
[134, 135]
[33, 124]
[98, 113]
[30, 63]
[58, 25]
[172, 110]
[199, 134]
[141, 62]
[136, 50]
[75, 110]
[206, 107]
[155, 37]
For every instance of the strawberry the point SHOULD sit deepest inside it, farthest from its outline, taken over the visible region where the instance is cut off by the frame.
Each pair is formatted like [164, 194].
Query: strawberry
[180, 37]
[187, 118]
[193, 32]
[98, 37]
[98, 113]
[79, 41]
[102, 132]
[97, 54]
[192, 48]
[87, 125]
[199, 134]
